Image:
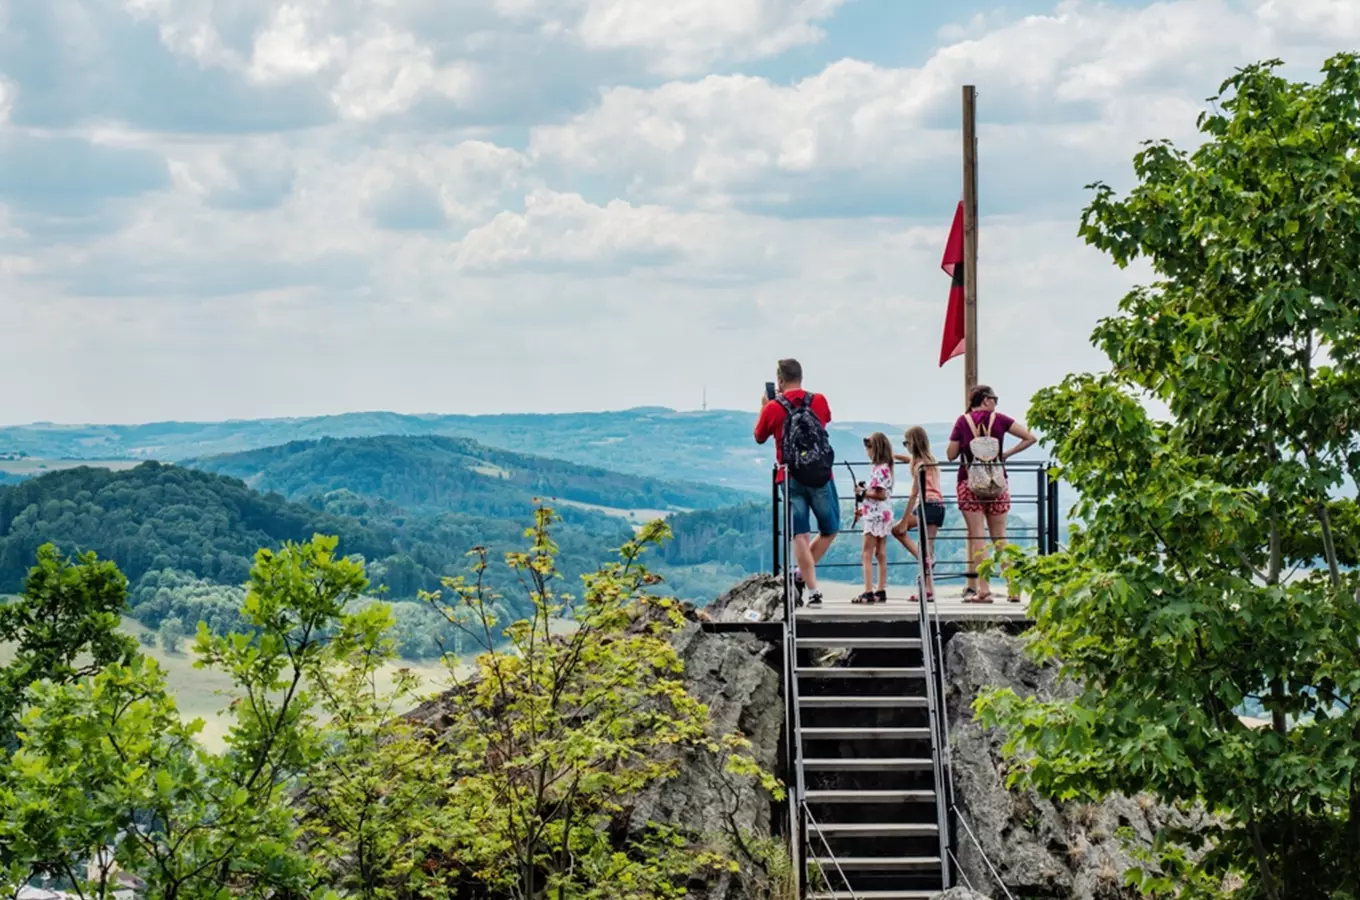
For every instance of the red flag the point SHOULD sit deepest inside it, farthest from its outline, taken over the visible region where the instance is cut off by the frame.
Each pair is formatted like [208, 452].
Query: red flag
[952, 345]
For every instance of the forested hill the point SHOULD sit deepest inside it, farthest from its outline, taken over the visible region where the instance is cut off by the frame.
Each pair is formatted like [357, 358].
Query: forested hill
[161, 517]
[712, 447]
[425, 474]
[157, 517]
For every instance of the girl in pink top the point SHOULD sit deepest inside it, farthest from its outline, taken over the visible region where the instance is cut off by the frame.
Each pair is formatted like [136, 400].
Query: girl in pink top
[917, 443]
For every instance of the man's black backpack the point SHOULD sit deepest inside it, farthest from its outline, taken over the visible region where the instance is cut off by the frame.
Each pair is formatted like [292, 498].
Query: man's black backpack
[807, 449]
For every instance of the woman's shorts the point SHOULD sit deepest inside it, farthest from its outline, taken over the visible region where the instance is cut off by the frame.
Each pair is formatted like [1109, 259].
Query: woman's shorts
[934, 513]
[969, 503]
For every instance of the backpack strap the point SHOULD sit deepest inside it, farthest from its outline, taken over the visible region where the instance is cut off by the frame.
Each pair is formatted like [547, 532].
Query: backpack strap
[973, 426]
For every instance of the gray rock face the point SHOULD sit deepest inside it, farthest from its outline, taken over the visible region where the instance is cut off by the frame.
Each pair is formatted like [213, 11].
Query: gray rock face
[728, 673]
[1039, 847]
[758, 594]
[960, 893]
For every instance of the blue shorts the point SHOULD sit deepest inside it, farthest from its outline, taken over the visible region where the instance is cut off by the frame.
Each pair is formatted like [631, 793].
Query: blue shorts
[823, 503]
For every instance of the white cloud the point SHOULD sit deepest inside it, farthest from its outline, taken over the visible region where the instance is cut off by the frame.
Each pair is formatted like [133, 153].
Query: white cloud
[288, 49]
[389, 70]
[682, 36]
[1089, 81]
[417, 252]
[8, 91]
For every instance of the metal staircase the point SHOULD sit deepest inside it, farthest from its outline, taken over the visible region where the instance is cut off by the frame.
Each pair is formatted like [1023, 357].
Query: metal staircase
[871, 805]
[873, 808]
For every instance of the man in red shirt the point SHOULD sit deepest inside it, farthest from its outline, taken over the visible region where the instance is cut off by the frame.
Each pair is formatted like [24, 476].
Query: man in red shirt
[804, 502]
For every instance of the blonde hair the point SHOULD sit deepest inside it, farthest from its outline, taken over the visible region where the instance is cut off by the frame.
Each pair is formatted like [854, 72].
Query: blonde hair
[880, 449]
[918, 446]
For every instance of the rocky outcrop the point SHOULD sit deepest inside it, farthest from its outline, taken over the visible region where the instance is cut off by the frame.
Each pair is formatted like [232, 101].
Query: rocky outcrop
[960, 893]
[736, 676]
[731, 675]
[1039, 847]
[757, 599]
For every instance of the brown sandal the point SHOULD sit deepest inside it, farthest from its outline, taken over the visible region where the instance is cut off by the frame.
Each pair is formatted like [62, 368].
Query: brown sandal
[972, 595]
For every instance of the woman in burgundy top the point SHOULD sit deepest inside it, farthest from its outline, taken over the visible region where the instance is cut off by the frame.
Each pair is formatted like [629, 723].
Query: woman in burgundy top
[983, 516]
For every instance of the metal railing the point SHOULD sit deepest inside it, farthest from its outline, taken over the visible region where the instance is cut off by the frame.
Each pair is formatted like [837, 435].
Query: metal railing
[784, 566]
[932, 645]
[1033, 521]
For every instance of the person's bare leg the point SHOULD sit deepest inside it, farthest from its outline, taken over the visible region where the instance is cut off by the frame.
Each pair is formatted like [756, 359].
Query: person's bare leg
[977, 539]
[996, 527]
[931, 531]
[807, 562]
[881, 552]
[902, 531]
[820, 545]
[866, 558]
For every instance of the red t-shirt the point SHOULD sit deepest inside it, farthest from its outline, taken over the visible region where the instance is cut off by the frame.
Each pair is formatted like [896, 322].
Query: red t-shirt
[772, 417]
[963, 435]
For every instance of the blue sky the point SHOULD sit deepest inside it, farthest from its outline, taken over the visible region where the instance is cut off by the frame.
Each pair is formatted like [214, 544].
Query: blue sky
[244, 208]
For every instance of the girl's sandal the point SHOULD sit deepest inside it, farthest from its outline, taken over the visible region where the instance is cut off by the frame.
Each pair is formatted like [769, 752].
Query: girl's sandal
[971, 595]
[866, 597]
[880, 596]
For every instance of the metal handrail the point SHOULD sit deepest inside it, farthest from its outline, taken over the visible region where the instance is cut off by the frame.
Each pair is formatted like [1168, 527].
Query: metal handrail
[933, 661]
[798, 808]
[934, 702]
[831, 854]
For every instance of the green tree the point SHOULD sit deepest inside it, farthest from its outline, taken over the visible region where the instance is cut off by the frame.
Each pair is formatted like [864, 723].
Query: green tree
[64, 627]
[1174, 603]
[109, 755]
[172, 634]
[557, 732]
[373, 808]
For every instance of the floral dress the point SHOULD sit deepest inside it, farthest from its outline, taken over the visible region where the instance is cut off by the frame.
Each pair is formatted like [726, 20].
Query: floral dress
[877, 515]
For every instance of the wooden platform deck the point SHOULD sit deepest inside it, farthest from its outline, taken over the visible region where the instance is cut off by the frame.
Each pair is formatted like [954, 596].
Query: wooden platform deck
[948, 606]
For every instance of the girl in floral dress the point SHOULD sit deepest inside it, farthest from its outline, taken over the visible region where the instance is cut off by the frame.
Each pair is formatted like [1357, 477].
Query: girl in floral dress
[875, 512]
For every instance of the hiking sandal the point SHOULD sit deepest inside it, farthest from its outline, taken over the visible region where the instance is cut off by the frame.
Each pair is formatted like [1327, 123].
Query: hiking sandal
[880, 597]
[972, 595]
[866, 597]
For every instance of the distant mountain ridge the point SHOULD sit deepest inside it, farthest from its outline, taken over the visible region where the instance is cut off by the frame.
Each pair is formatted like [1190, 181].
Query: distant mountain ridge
[714, 447]
[430, 473]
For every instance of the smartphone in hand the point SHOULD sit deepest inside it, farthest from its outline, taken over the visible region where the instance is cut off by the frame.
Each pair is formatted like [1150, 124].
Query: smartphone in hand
[769, 390]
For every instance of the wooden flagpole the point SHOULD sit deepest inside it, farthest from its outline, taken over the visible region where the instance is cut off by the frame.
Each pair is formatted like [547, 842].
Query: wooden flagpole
[970, 346]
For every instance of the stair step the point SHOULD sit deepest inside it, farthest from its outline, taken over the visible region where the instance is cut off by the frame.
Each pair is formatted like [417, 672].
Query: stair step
[878, 734]
[860, 643]
[900, 764]
[857, 797]
[881, 829]
[872, 895]
[879, 863]
[862, 702]
[859, 672]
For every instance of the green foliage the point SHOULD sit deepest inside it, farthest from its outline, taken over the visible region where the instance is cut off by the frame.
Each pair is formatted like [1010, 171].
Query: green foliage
[1174, 605]
[373, 810]
[171, 635]
[158, 517]
[64, 626]
[185, 539]
[109, 755]
[521, 784]
[556, 733]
